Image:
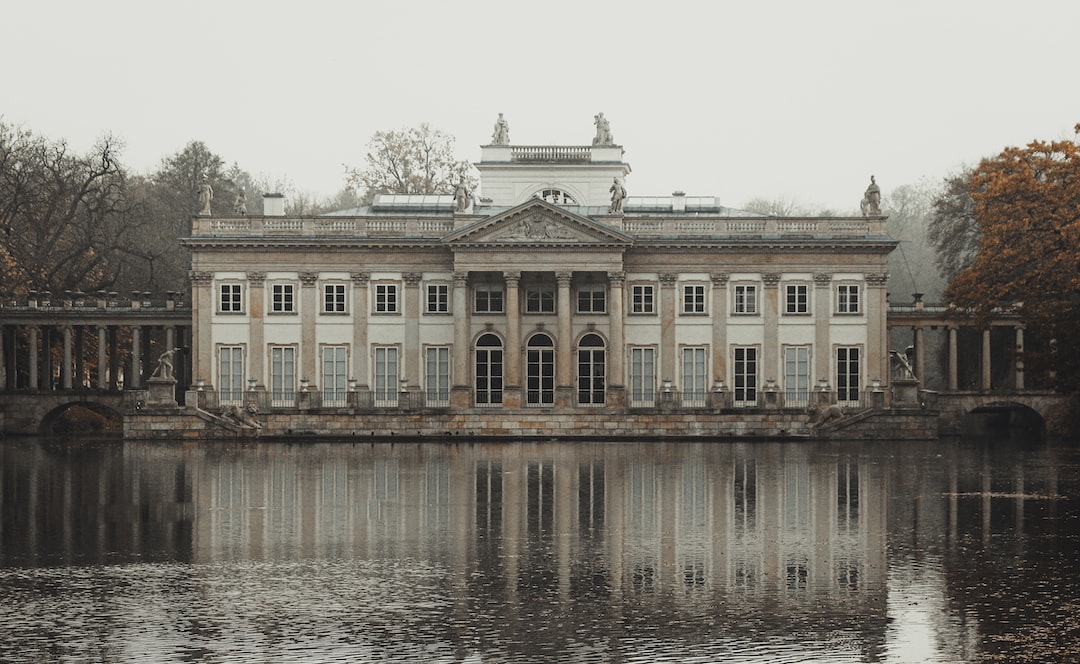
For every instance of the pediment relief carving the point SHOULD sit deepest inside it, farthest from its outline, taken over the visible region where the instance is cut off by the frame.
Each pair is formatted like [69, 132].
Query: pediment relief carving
[540, 223]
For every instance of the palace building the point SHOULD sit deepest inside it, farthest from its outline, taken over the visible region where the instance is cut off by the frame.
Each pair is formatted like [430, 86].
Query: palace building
[548, 289]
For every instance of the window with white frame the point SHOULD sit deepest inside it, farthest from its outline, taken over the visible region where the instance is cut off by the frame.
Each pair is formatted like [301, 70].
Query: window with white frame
[643, 376]
[745, 301]
[231, 300]
[489, 371]
[438, 298]
[282, 298]
[385, 368]
[540, 371]
[282, 375]
[797, 299]
[488, 299]
[797, 375]
[540, 300]
[386, 298]
[847, 299]
[693, 299]
[437, 375]
[231, 374]
[334, 298]
[642, 299]
[592, 371]
[694, 376]
[334, 380]
[848, 372]
[592, 299]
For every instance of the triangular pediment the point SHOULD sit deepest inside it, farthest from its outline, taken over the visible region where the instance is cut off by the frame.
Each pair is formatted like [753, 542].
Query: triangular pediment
[538, 223]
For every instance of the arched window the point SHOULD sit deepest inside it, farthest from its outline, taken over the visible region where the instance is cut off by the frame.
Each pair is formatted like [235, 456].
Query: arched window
[540, 371]
[591, 369]
[556, 196]
[489, 371]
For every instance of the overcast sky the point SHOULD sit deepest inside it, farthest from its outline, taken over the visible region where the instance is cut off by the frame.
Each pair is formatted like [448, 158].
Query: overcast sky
[802, 100]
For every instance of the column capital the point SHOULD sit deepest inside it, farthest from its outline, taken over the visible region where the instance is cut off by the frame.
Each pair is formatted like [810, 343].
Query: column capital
[720, 278]
[668, 280]
[360, 278]
[512, 279]
[822, 279]
[412, 279]
[308, 278]
[256, 278]
[616, 278]
[201, 278]
[876, 279]
[461, 279]
[563, 279]
[771, 279]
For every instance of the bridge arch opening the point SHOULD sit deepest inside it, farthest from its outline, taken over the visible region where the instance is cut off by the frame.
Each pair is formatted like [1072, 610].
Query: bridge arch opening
[82, 418]
[1004, 419]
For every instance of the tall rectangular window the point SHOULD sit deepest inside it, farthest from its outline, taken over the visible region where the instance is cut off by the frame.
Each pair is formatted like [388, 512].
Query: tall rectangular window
[694, 377]
[333, 298]
[437, 370]
[591, 299]
[693, 299]
[642, 299]
[282, 298]
[231, 301]
[797, 376]
[231, 374]
[798, 299]
[386, 376]
[745, 387]
[847, 299]
[386, 298]
[847, 374]
[643, 376]
[438, 298]
[334, 375]
[540, 300]
[745, 299]
[488, 299]
[282, 375]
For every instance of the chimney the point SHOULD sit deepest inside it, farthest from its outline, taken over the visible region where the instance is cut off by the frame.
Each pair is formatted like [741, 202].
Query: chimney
[273, 205]
[678, 201]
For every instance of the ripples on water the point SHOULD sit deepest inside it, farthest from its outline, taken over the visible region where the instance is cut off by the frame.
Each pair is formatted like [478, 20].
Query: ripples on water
[558, 552]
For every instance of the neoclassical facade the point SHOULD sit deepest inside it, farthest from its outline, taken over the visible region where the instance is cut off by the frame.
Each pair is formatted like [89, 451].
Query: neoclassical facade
[550, 288]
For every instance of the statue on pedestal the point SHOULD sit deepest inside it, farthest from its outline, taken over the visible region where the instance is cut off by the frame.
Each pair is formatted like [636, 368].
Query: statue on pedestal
[618, 194]
[603, 131]
[871, 201]
[206, 194]
[502, 132]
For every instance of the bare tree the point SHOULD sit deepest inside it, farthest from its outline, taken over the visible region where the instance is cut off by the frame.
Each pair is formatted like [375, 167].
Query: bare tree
[953, 230]
[419, 160]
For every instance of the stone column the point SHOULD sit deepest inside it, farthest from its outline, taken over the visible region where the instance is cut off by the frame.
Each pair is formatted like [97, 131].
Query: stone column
[65, 368]
[10, 375]
[719, 326]
[953, 381]
[256, 317]
[986, 360]
[360, 312]
[668, 305]
[564, 371]
[822, 315]
[920, 354]
[134, 381]
[102, 359]
[80, 356]
[1018, 367]
[309, 311]
[616, 392]
[877, 333]
[460, 392]
[770, 350]
[413, 361]
[512, 385]
[202, 316]
[33, 359]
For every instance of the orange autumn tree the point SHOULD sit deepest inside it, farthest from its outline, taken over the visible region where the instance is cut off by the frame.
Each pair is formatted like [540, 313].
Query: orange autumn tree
[1027, 209]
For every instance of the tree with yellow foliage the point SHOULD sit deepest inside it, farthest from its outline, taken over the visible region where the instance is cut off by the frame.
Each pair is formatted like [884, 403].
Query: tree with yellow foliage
[1027, 211]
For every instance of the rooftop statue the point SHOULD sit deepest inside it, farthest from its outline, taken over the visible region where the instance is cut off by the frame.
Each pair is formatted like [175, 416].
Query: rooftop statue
[603, 131]
[461, 196]
[871, 201]
[206, 194]
[618, 194]
[240, 206]
[502, 132]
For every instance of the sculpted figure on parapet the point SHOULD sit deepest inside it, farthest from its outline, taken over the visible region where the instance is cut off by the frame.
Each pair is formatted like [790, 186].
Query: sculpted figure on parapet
[461, 196]
[871, 201]
[206, 194]
[502, 132]
[603, 131]
[240, 205]
[618, 194]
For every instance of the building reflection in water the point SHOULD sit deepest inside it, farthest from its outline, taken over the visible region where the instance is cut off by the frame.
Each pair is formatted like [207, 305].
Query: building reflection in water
[765, 536]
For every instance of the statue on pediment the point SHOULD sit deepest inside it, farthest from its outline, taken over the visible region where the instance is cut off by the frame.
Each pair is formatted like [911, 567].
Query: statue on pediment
[502, 132]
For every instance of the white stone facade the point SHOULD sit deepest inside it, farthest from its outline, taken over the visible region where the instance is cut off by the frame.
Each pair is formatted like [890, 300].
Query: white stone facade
[535, 299]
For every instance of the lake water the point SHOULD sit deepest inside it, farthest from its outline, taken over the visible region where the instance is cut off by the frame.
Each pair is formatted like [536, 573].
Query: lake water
[952, 551]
